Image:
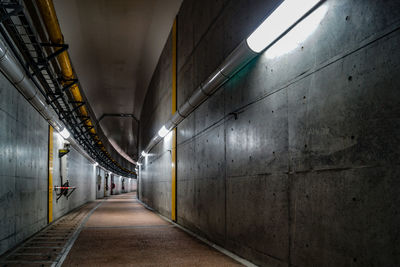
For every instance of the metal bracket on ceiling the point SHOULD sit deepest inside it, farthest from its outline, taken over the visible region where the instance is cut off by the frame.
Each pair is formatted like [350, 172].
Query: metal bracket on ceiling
[59, 94]
[63, 47]
[78, 104]
[55, 99]
[16, 8]
[121, 115]
[72, 83]
[88, 129]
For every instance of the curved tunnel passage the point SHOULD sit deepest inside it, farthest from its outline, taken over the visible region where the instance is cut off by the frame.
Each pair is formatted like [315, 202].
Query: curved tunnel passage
[268, 130]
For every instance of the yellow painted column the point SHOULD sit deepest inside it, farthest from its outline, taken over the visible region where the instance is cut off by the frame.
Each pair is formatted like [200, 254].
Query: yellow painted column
[50, 164]
[174, 98]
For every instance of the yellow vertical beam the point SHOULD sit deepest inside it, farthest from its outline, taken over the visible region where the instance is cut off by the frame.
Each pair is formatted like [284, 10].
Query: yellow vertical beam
[174, 98]
[50, 163]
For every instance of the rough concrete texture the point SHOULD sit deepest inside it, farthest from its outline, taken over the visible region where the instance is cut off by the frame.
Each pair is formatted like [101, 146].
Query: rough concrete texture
[121, 232]
[23, 168]
[307, 173]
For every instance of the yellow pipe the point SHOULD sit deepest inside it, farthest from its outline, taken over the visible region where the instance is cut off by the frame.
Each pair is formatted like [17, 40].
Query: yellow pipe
[49, 16]
[48, 13]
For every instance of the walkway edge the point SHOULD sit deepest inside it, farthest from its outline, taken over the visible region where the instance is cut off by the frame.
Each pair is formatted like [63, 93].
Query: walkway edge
[64, 253]
[204, 240]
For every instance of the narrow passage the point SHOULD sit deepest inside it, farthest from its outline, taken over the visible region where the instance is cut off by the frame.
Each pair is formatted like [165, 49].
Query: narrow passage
[121, 232]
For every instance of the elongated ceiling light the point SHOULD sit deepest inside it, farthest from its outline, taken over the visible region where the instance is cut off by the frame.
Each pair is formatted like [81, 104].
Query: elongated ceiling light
[285, 16]
[163, 132]
[65, 134]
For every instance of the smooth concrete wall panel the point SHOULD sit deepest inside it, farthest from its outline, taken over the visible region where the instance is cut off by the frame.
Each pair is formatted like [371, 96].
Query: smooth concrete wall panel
[157, 106]
[355, 222]
[294, 161]
[155, 183]
[23, 168]
[79, 173]
[257, 225]
[156, 177]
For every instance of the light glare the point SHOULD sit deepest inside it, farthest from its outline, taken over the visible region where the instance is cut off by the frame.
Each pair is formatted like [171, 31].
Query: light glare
[144, 154]
[285, 16]
[64, 133]
[163, 132]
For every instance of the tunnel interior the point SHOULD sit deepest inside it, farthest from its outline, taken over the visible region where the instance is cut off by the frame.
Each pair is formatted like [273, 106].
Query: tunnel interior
[199, 133]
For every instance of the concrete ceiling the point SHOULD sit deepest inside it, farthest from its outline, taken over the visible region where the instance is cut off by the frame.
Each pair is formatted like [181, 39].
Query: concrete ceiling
[114, 47]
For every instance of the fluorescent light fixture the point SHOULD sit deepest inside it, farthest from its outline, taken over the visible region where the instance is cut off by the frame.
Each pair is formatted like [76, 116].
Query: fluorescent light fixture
[64, 133]
[139, 164]
[163, 132]
[144, 154]
[96, 164]
[284, 17]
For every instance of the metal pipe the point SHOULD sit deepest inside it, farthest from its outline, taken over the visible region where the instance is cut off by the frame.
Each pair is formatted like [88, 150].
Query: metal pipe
[48, 13]
[236, 60]
[16, 74]
[50, 20]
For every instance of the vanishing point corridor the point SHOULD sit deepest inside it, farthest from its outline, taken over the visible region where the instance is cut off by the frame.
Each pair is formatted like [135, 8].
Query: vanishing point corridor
[122, 232]
[116, 231]
[200, 133]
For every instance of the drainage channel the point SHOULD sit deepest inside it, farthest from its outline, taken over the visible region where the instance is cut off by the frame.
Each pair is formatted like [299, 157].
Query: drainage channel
[50, 246]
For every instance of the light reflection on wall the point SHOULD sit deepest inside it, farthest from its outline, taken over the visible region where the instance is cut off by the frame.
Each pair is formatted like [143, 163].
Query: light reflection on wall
[298, 34]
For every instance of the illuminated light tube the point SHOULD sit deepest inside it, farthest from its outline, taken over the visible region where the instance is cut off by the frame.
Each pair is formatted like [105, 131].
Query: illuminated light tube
[282, 19]
[144, 154]
[64, 133]
[96, 164]
[163, 132]
[139, 164]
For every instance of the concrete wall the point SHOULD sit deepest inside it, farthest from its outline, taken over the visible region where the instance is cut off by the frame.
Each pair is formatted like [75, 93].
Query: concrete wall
[307, 173]
[155, 188]
[23, 168]
[79, 172]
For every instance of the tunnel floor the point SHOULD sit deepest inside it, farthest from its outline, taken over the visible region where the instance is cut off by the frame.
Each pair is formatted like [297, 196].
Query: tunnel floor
[122, 232]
